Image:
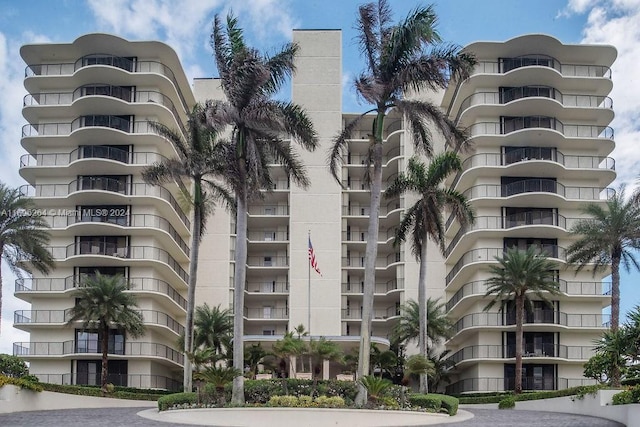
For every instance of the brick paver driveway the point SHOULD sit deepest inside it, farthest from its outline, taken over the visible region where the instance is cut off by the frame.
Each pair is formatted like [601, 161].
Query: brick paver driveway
[113, 417]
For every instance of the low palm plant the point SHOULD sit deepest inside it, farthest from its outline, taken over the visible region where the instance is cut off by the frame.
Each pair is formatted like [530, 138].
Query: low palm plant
[375, 386]
[218, 377]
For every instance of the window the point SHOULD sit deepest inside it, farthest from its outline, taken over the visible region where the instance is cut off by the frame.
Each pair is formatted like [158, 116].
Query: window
[89, 372]
[511, 185]
[120, 92]
[268, 332]
[119, 153]
[511, 124]
[90, 341]
[508, 64]
[113, 183]
[518, 154]
[125, 63]
[122, 123]
[534, 377]
[548, 246]
[535, 344]
[103, 245]
[113, 214]
[515, 217]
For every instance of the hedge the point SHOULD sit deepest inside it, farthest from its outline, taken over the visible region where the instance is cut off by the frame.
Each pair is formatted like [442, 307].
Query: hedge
[120, 392]
[497, 397]
[260, 391]
[507, 403]
[177, 399]
[435, 402]
[21, 382]
[627, 396]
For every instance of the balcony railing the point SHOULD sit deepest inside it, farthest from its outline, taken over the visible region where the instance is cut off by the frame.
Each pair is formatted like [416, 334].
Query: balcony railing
[265, 287]
[126, 64]
[60, 253]
[551, 317]
[567, 70]
[95, 347]
[151, 317]
[268, 210]
[520, 219]
[528, 350]
[88, 153]
[381, 262]
[366, 212]
[378, 313]
[490, 254]
[105, 184]
[268, 236]
[261, 261]
[360, 159]
[479, 288]
[361, 236]
[144, 284]
[141, 381]
[485, 384]
[380, 288]
[568, 130]
[266, 313]
[101, 215]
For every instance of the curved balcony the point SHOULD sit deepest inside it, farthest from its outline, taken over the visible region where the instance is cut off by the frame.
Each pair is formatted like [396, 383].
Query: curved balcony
[145, 253]
[379, 314]
[575, 288]
[107, 184]
[521, 219]
[66, 348]
[540, 122]
[91, 152]
[538, 317]
[136, 284]
[364, 211]
[538, 185]
[353, 159]
[529, 350]
[101, 216]
[489, 255]
[141, 381]
[57, 317]
[123, 63]
[505, 65]
[489, 384]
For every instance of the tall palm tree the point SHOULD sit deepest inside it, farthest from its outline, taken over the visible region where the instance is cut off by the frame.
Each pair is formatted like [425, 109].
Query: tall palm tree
[213, 328]
[199, 162]
[24, 235]
[614, 347]
[519, 274]
[425, 221]
[608, 238]
[399, 58]
[249, 79]
[104, 304]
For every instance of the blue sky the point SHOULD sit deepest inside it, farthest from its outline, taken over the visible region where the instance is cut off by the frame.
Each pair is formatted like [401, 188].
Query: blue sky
[186, 25]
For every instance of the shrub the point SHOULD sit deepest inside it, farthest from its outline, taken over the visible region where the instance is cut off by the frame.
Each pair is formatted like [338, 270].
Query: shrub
[12, 366]
[329, 402]
[20, 382]
[260, 391]
[426, 401]
[287, 401]
[507, 403]
[497, 397]
[622, 398]
[450, 403]
[172, 400]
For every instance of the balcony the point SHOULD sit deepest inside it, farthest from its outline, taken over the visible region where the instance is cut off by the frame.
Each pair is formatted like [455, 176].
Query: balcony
[377, 315]
[265, 261]
[265, 287]
[381, 262]
[381, 288]
[91, 152]
[268, 210]
[549, 317]
[61, 317]
[266, 313]
[148, 349]
[127, 64]
[504, 65]
[479, 288]
[490, 254]
[101, 215]
[538, 185]
[148, 253]
[136, 284]
[142, 381]
[111, 185]
[489, 384]
[540, 122]
[364, 211]
[529, 350]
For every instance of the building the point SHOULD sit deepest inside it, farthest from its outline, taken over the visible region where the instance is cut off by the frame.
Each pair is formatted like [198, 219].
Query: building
[89, 108]
[538, 122]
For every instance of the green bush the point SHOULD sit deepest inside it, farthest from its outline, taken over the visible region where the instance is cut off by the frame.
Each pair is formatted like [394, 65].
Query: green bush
[426, 401]
[329, 402]
[260, 391]
[177, 399]
[507, 403]
[12, 366]
[287, 401]
[306, 402]
[21, 382]
[497, 397]
[623, 398]
[450, 403]
[129, 393]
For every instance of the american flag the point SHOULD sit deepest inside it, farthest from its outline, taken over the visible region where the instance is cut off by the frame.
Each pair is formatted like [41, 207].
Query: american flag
[312, 258]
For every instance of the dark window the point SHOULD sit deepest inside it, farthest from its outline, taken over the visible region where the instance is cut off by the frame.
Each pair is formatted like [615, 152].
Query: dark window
[515, 217]
[125, 63]
[535, 344]
[105, 271]
[118, 153]
[89, 372]
[508, 64]
[90, 341]
[103, 245]
[113, 214]
[120, 92]
[114, 183]
[534, 377]
[517, 184]
[519, 154]
[511, 124]
[541, 312]
[547, 246]
[122, 123]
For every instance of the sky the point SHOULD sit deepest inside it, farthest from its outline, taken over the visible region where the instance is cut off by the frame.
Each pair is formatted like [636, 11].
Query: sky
[186, 26]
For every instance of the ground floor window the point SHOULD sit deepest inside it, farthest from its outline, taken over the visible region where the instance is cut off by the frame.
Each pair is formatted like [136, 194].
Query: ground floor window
[534, 377]
[89, 372]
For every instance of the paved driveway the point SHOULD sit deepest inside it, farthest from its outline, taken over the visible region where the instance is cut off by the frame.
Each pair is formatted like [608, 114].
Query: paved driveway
[113, 417]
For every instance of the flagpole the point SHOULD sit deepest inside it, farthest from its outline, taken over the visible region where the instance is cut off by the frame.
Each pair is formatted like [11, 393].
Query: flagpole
[309, 284]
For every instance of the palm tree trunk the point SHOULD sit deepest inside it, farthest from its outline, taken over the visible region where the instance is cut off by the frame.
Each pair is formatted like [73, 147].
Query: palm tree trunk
[370, 260]
[237, 396]
[519, 322]
[105, 357]
[191, 295]
[422, 313]
[615, 310]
